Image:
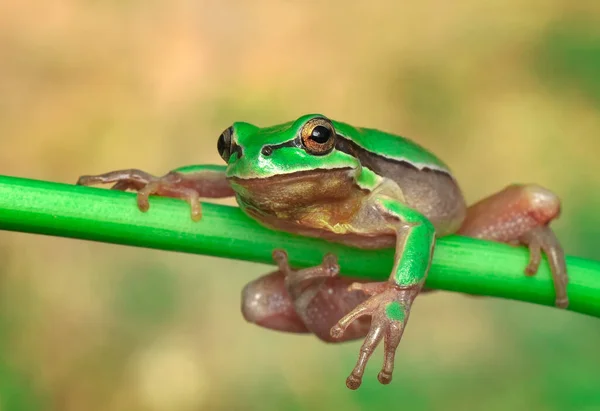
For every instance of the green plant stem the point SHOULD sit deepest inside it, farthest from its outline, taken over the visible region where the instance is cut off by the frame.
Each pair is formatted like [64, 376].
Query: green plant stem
[460, 264]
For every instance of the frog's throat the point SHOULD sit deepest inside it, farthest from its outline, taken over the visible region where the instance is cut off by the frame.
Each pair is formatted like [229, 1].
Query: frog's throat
[298, 190]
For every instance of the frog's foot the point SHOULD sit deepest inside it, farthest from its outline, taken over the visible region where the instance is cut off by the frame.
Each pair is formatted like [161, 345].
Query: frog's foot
[521, 214]
[543, 239]
[172, 184]
[296, 281]
[389, 308]
[320, 296]
[307, 300]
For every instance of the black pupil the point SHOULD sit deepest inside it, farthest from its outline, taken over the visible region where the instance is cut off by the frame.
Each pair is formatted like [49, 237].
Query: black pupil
[320, 134]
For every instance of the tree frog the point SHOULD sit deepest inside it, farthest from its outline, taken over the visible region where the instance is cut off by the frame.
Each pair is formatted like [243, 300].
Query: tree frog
[361, 187]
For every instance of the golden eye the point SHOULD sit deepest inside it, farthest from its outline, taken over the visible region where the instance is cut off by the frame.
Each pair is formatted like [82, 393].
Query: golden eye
[318, 136]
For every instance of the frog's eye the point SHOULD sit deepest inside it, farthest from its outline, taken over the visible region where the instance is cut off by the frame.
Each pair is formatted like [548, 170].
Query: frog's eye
[318, 136]
[224, 144]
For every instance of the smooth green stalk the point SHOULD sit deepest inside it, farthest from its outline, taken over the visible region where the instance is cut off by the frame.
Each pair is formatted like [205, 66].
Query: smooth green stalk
[460, 264]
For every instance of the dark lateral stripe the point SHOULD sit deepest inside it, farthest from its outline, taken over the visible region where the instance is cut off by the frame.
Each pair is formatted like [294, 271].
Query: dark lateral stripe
[366, 157]
[345, 145]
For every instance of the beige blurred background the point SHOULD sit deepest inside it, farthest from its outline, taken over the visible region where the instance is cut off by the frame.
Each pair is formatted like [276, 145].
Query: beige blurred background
[504, 91]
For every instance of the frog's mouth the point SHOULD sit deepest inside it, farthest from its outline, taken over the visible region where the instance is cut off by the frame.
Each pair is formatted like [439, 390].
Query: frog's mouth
[296, 190]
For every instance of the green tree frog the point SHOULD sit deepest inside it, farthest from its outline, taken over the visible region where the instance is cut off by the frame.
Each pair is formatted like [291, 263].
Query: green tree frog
[361, 187]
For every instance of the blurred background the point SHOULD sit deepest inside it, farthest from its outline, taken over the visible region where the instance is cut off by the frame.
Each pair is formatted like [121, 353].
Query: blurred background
[504, 91]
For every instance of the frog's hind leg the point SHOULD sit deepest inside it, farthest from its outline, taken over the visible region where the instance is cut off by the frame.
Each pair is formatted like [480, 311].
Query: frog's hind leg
[307, 300]
[266, 303]
[521, 214]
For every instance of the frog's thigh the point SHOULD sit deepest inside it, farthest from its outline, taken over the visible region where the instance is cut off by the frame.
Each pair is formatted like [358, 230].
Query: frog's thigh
[265, 302]
[511, 213]
[315, 307]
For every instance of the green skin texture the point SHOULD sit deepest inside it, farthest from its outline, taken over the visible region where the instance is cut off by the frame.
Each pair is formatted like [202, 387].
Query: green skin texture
[395, 311]
[418, 235]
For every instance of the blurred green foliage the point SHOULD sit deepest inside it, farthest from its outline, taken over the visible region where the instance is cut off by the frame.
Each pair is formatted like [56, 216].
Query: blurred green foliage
[147, 296]
[504, 91]
[568, 58]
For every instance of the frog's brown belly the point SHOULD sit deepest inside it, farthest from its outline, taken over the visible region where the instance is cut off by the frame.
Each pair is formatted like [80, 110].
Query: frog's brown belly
[382, 238]
[318, 203]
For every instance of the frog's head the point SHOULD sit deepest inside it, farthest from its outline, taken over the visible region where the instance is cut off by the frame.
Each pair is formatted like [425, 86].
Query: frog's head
[294, 162]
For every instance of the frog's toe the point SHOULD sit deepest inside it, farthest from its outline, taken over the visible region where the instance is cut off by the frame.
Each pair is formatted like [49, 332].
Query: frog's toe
[172, 186]
[89, 180]
[542, 239]
[562, 302]
[353, 381]
[392, 339]
[119, 177]
[372, 339]
[390, 330]
[281, 258]
[384, 377]
[296, 279]
[535, 258]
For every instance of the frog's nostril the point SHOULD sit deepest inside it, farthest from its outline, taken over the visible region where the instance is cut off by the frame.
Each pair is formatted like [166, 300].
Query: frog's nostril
[266, 151]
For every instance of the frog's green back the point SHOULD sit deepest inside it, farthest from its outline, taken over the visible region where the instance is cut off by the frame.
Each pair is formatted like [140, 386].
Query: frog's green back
[390, 146]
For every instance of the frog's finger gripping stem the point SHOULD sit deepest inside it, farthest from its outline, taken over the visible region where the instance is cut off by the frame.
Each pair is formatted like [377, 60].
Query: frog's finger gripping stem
[146, 185]
[187, 183]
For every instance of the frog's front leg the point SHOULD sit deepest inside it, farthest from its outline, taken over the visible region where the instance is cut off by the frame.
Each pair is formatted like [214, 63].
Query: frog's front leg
[188, 183]
[390, 302]
[521, 214]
